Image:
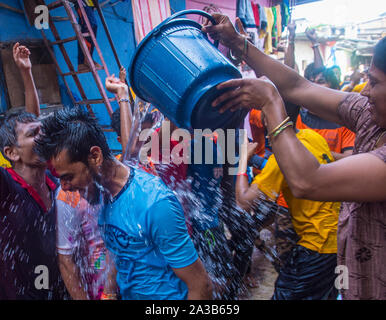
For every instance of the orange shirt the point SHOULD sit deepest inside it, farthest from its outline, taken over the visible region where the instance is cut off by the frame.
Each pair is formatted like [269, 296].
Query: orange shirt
[339, 139]
[257, 130]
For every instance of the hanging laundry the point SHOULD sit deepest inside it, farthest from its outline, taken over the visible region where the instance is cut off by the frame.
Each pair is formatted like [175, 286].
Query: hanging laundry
[256, 14]
[147, 15]
[274, 28]
[285, 13]
[268, 38]
[278, 22]
[263, 18]
[245, 13]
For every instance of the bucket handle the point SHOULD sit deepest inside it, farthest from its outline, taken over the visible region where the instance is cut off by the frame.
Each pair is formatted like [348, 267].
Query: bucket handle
[185, 12]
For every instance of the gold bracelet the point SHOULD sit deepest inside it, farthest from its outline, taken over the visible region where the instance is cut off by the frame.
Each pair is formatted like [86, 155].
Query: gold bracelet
[285, 121]
[278, 131]
[281, 129]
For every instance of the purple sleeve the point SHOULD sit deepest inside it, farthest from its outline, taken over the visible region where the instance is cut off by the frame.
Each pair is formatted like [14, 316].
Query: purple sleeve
[352, 111]
[380, 153]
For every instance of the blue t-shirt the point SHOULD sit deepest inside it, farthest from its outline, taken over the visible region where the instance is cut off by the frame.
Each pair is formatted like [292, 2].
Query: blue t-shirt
[206, 185]
[144, 227]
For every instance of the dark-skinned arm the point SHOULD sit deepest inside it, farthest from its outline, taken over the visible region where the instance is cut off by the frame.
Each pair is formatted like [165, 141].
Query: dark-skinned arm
[341, 180]
[312, 36]
[292, 87]
[197, 281]
[21, 56]
[289, 58]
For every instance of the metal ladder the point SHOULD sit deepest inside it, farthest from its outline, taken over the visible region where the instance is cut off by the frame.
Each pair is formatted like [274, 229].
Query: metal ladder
[80, 37]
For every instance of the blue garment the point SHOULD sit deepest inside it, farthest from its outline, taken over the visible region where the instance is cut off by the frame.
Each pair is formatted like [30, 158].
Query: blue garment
[206, 181]
[263, 18]
[245, 13]
[144, 227]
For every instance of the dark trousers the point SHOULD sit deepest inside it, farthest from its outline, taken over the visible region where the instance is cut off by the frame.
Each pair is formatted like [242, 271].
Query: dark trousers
[91, 17]
[307, 275]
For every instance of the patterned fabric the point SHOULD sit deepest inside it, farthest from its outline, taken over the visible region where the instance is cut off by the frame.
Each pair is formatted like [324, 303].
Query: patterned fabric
[362, 226]
[147, 15]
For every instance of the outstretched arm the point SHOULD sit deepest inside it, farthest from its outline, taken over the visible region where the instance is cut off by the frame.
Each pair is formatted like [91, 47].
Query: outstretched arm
[120, 88]
[289, 58]
[341, 180]
[21, 56]
[312, 36]
[292, 87]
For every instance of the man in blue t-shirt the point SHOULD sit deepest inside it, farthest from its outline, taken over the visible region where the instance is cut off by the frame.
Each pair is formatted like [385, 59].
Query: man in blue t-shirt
[143, 222]
[208, 235]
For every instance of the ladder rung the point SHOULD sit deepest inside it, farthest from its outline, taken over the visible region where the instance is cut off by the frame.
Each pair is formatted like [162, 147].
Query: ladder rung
[54, 5]
[63, 40]
[68, 39]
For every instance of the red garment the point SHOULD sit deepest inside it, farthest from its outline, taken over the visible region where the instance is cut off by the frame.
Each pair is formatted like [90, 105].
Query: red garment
[170, 173]
[34, 194]
[256, 14]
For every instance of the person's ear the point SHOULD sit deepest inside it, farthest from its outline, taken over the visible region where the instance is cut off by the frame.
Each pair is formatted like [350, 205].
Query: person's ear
[95, 157]
[11, 153]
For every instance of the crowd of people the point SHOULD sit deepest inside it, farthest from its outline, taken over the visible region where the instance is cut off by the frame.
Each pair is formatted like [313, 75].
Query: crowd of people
[108, 227]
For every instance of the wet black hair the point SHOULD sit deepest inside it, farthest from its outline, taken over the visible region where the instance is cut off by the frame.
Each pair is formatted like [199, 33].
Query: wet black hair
[331, 78]
[310, 72]
[379, 58]
[74, 130]
[8, 134]
[116, 121]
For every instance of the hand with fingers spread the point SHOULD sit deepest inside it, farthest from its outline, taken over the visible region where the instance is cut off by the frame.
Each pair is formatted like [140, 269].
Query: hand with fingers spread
[21, 56]
[246, 93]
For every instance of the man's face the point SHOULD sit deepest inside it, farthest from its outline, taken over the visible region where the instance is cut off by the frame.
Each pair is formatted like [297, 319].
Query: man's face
[26, 133]
[375, 91]
[321, 80]
[76, 176]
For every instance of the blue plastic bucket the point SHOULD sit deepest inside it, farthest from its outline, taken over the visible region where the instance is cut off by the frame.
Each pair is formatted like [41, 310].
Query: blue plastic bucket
[177, 69]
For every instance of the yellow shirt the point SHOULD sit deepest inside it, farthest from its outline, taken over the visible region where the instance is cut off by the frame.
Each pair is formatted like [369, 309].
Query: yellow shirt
[3, 162]
[315, 222]
[359, 87]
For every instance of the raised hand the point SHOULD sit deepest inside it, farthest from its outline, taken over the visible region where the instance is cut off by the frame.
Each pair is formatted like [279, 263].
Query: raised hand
[116, 86]
[311, 35]
[21, 56]
[291, 30]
